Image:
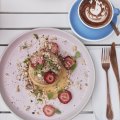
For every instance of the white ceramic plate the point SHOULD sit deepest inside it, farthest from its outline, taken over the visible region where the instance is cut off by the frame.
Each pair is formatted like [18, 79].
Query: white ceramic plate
[19, 102]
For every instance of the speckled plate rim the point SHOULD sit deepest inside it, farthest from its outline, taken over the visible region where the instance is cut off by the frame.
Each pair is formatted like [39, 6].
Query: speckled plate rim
[90, 88]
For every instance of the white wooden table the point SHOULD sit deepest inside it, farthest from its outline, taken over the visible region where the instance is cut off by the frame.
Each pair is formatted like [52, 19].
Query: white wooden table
[19, 16]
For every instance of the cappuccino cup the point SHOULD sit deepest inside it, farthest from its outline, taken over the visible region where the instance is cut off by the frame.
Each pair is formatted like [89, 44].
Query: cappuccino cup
[96, 14]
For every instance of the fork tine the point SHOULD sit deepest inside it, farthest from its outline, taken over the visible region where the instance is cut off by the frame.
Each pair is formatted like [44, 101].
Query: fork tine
[105, 56]
[108, 54]
[102, 55]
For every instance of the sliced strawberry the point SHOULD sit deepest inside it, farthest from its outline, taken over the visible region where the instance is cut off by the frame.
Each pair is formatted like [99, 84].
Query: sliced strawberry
[35, 60]
[69, 62]
[50, 77]
[49, 110]
[54, 48]
[40, 60]
[65, 97]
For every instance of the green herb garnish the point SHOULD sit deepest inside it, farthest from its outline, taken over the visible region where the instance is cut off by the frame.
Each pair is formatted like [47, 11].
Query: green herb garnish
[36, 36]
[74, 66]
[50, 95]
[39, 67]
[42, 73]
[55, 68]
[57, 111]
[35, 72]
[49, 61]
[77, 54]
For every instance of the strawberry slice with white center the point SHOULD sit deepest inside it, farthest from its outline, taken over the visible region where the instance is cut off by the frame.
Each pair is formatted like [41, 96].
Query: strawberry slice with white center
[49, 110]
[54, 48]
[35, 60]
[49, 77]
[65, 97]
[69, 62]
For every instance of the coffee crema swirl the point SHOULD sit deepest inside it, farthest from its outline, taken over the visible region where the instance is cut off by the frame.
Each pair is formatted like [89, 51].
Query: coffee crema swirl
[95, 13]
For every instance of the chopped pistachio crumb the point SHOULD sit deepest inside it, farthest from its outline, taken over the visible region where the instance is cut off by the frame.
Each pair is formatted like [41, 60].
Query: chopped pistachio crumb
[39, 100]
[26, 60]
[37, 91]
[36, 36]
[18, 88]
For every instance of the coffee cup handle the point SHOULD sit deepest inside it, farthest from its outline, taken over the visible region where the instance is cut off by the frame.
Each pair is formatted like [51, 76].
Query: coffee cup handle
[116, 11]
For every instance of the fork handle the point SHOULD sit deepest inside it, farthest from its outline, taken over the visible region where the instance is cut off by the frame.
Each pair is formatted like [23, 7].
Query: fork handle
[119, 90]
[109, 112]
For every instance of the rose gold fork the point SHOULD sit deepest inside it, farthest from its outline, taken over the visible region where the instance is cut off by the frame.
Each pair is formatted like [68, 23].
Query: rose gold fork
[105, 61]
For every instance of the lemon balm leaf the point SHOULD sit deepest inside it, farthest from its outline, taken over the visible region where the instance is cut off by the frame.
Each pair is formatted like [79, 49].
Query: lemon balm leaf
[57, 111]
[50, 95]
[73, 67]
[77, 54]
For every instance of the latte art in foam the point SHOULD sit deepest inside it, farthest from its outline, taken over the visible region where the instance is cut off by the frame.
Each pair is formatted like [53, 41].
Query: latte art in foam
[95, 12]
